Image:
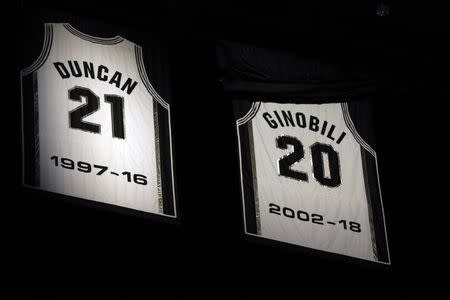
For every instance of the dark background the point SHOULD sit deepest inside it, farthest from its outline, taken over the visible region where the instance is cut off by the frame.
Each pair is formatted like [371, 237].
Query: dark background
[65, 249]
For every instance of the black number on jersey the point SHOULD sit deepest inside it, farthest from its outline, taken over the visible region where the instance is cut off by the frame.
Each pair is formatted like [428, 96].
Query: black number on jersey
[116, 115]
[92, 105]
[332, 179]
[317, 151]
[285, 163]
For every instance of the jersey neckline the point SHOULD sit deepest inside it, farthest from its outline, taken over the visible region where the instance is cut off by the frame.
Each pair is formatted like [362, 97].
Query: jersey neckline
[109, 41]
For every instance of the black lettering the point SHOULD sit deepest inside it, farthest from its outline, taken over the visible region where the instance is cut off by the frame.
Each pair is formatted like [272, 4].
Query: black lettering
[301, 120]
[75, 71]
[278, 118]
[100, 71]
[129, 85]
[116, 78]
[339, 140]
[313, 123]
[62, 70]
[324, 127]
[287, 116]
[330, 133]
[269, 120]
[88, 69]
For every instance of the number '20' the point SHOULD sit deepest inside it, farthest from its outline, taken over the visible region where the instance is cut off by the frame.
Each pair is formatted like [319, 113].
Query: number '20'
[318, 163]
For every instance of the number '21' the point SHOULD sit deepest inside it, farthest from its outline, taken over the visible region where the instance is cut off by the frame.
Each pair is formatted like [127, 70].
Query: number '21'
[92, 105]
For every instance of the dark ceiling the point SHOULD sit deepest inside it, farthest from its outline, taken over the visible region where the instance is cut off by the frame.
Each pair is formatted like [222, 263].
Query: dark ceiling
[294, 16]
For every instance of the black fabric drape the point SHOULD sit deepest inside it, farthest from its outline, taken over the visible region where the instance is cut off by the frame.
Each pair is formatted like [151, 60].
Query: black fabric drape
[263, 72]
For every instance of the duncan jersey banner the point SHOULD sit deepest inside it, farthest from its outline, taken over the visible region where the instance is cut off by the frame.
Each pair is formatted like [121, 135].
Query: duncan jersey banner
[93, 125]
